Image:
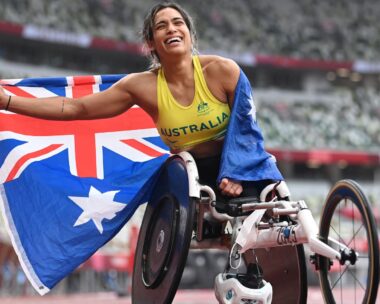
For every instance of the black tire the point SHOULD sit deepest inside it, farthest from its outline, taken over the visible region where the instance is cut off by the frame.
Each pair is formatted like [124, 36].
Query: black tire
[347, 217]
[164, 238]
[302, 299]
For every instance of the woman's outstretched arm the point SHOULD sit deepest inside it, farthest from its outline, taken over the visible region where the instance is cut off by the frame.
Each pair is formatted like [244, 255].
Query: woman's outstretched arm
[107, 103]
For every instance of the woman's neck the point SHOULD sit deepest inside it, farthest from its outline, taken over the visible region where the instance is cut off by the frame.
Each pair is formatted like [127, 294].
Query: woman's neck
[175, 69]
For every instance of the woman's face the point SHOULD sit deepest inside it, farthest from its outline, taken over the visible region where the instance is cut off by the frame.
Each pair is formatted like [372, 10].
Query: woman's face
[170, 34]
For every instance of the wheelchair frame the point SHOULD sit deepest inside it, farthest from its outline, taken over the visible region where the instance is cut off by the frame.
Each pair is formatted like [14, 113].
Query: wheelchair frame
[305, 232]
[300, 229]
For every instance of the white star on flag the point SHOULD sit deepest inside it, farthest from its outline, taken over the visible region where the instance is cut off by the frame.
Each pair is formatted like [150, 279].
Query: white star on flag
[252, 112]
[97, 207]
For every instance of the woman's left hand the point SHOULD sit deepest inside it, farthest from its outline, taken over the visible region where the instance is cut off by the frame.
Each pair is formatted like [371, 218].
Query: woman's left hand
[230, 187]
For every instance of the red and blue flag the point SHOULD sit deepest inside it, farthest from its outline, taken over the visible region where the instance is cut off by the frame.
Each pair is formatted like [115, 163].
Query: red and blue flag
[68, 187]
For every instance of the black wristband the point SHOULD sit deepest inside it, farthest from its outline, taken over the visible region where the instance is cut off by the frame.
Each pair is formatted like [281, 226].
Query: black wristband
[9, 101]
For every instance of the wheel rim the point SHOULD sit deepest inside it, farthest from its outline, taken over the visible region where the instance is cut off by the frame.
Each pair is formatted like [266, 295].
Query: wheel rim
[158, 247]
[346, 219]
[164, 237]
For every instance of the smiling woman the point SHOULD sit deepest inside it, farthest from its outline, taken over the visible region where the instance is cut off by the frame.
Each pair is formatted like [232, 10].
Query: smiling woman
[152, 22]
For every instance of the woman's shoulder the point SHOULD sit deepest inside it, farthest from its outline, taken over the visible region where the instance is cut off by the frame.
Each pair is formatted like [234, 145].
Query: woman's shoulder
[223, 70]
[214, 64]
[135, 78]
[134, 82]
[141, 85]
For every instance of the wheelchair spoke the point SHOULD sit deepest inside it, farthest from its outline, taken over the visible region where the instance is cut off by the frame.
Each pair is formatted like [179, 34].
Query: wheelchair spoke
[356, 280]
[353, 227]
[356, 231]
[340, 239]
[338, 283]
[339, 278]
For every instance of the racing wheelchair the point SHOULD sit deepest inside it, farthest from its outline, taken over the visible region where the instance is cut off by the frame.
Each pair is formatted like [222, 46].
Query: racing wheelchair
[264, 238]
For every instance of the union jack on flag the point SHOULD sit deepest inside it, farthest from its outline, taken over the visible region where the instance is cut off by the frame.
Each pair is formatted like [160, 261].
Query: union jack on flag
[68, 187]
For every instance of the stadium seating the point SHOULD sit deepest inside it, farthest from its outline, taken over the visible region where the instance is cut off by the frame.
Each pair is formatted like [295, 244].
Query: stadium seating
[348, 122]
[333, 30]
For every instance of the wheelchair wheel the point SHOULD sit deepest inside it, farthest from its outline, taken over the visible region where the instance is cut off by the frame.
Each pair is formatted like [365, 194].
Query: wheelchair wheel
[347, 218]
[285, 268]
[164, 237]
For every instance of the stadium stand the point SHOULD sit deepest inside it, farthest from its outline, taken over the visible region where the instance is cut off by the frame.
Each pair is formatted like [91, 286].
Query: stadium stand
[348, 122]
[331, 30]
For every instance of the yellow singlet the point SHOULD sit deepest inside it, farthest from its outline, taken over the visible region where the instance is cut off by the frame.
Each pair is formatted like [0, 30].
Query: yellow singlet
[181, 127]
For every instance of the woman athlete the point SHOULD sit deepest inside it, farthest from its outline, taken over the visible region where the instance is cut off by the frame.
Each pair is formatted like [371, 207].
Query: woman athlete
[189, 97]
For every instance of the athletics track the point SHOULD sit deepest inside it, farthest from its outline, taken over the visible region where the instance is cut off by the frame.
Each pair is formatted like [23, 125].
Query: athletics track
[182, 297]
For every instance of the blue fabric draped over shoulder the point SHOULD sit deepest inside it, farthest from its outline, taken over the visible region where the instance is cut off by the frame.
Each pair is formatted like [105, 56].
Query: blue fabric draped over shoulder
[244, 157]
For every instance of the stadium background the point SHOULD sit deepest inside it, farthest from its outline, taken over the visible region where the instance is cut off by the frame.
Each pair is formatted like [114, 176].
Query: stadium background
[314, 67]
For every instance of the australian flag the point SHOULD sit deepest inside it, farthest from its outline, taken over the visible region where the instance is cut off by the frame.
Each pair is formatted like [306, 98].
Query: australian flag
[68, 187]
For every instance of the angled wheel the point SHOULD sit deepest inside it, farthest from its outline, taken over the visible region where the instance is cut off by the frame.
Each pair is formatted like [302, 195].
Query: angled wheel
[285, 268]
[347, 218]
[164, 237]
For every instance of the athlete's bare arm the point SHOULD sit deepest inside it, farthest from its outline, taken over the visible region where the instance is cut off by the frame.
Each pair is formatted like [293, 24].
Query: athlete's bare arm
[108, 103]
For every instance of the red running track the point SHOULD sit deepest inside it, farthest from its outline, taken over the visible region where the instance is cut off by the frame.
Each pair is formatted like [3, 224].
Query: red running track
[182, 297]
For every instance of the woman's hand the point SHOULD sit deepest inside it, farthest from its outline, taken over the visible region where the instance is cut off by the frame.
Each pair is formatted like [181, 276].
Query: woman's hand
[230, 187]
[3, 99]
